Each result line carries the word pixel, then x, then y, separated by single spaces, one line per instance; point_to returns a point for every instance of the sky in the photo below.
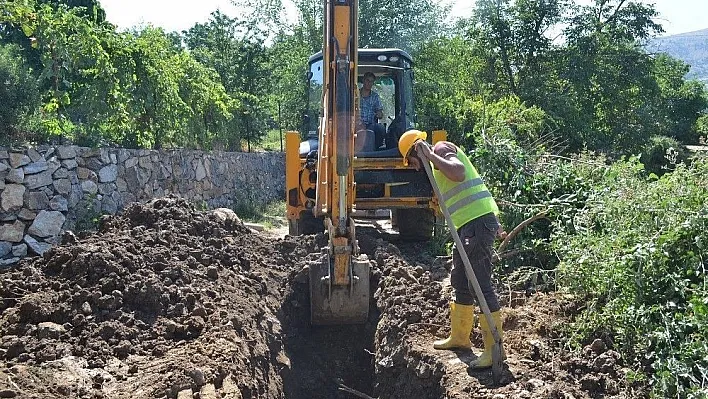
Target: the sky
pixel 677 16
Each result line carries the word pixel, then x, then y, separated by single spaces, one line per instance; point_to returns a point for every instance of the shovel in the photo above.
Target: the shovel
pixel 497 363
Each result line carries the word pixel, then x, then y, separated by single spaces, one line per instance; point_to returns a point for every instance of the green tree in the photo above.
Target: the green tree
pixel 609 75
pixel 19 95
pixel 682 102
pixel 401 24
pixel 287 60
pixel 235 48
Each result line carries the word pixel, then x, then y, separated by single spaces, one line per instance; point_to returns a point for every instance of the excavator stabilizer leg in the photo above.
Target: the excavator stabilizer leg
pixel 339 304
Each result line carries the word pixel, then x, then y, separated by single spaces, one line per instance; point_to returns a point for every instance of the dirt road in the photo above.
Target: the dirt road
pixel 167 301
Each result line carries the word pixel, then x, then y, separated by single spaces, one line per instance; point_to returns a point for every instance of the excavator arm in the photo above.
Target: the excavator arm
pixel 339 281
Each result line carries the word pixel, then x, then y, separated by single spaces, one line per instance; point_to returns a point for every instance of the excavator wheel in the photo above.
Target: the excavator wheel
pixel 344 304
pixel 415 224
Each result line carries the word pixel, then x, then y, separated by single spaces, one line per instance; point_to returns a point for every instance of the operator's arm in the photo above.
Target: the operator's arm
pixel 378 106
pixel 444 158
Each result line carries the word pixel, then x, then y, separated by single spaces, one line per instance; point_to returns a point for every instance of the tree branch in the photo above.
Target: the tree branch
pixel 516 231
pixel 354 392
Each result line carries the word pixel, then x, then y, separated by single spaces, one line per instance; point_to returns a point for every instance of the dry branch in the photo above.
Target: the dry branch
pixel 354 392
pixel 515 232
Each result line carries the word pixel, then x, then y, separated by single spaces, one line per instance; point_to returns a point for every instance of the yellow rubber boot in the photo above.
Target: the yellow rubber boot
pixel 461 321
pixel 485 359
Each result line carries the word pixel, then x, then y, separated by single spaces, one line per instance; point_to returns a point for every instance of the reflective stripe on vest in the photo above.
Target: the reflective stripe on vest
pixel 468 199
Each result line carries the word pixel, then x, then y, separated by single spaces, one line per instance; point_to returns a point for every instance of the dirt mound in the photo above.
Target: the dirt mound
pixel 412 297
pixel 159 280
pixel 167 301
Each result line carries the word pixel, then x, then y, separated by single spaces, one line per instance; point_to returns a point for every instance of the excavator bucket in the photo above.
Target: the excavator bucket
pixel 339 304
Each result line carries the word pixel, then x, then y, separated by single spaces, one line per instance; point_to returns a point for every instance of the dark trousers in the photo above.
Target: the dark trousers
pixel 477 237
pixel 379 133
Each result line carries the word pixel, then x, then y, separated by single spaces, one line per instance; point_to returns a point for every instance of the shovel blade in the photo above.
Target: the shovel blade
pixel 342 304
pixel 497 363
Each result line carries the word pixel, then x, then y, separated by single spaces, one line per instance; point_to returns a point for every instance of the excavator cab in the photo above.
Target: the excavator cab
pixel 394 85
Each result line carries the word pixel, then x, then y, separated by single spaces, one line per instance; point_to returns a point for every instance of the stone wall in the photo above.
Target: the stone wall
pixel 47 190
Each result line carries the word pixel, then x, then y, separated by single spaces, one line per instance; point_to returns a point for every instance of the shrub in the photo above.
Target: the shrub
pixel 18 92
pixel 638 247
pixel 661 154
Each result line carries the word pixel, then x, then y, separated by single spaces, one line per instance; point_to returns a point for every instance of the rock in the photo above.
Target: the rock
pixel 12 232
pixel 8 262
pixel 225 214
pixel 59 203
pixel 34 155
pixel 36 200
pixel 109 206
pixel 108 174
pixel 131 162
pixel 106 156
pixel 36 167
pixel 26 214
pixel 598 346
pixel 47 224
pixel 107 188
pixel 8 393
pixel 37 247
pixel 61 173
pixel 89 187
pixel 15 176
pixel 48 329
pixel 66 152
pixel 198 377
pixel 70 164
pixel 94 164
pixel 85 174
pixel 86 308
pixel 19 250
pixel 12 197
pixel 534 384
pixel 108 302
pixel 212 272
pixel 39 180
pixel 200 172
pixel 18 159
pixel 5 248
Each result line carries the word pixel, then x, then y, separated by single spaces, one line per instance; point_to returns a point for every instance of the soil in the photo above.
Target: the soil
pixel 165 301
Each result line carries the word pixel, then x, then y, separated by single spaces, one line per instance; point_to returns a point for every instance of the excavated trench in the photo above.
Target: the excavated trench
pixel 166 301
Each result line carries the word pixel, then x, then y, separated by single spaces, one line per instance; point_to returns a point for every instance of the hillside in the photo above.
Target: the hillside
pixel 690 47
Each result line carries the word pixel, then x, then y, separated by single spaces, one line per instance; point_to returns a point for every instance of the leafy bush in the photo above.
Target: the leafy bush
pixel 638 246
pixel 18 90
pixel 662 154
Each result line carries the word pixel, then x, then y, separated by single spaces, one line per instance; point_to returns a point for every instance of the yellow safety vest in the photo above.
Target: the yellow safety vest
pixel 468 199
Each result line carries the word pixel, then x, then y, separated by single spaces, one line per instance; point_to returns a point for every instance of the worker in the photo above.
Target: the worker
pixel 371 109
pixel 474 214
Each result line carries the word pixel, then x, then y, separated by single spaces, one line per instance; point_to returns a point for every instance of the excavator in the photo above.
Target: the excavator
pixel 333 168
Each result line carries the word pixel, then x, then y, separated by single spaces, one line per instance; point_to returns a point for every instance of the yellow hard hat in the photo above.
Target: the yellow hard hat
pixel 408 140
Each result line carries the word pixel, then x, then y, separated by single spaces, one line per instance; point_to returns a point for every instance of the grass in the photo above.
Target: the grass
pixel 271 141
pixel 269 215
